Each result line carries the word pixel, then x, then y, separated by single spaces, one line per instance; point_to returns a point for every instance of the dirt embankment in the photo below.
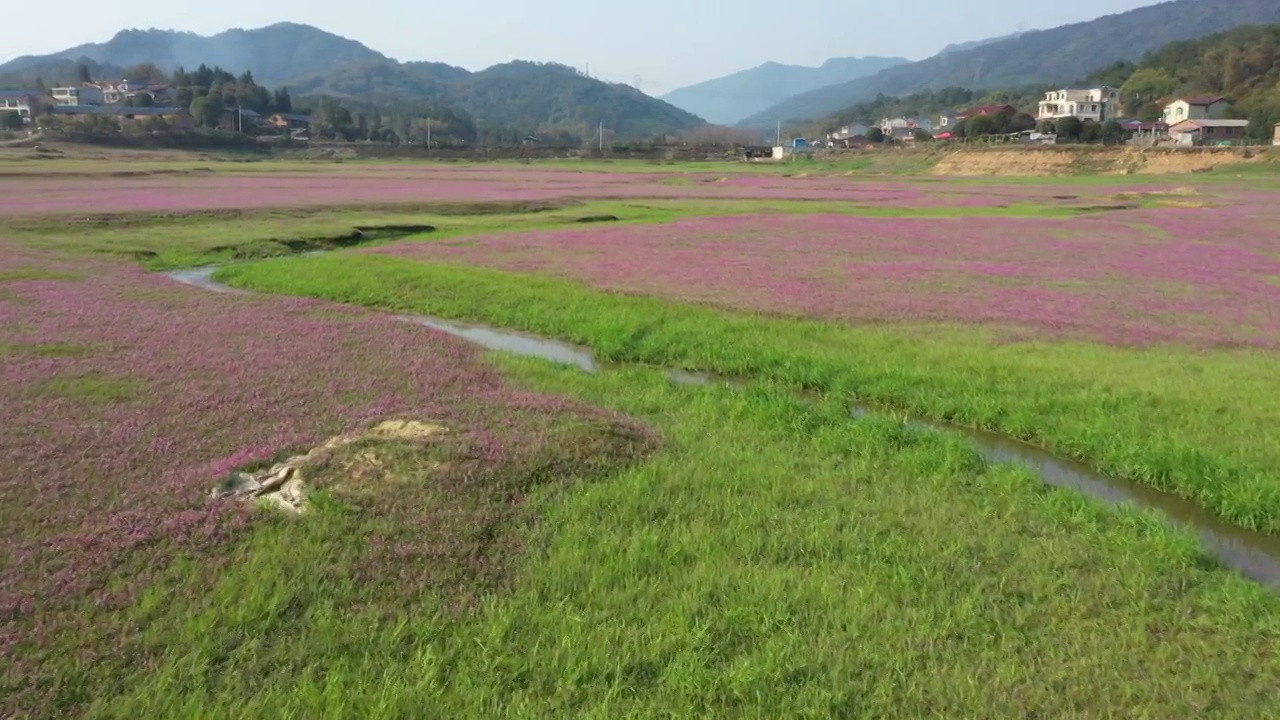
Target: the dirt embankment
pixel 1100 160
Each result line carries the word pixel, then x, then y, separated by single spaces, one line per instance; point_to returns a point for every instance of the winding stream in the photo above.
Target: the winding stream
pixel 1252 554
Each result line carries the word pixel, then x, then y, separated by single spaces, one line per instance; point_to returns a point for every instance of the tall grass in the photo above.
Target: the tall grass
pixel 1201 424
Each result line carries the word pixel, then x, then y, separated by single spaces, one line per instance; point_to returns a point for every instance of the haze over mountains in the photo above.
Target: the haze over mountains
pixel 1059 55
pixel 726 100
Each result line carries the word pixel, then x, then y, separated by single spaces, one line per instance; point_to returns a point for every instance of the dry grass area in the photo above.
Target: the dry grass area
pixel 1022 161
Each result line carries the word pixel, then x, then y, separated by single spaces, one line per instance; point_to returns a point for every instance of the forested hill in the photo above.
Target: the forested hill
pixel 1058 55
pixel 516 98
pixel 275 53
pixel 1241 65
pixel 538 98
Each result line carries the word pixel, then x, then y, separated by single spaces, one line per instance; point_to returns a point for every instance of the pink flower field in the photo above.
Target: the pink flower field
pixel 1208 277
pixel 373 184
pixel 125 397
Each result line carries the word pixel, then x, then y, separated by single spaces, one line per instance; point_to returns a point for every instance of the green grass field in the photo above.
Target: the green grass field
pixel 770 557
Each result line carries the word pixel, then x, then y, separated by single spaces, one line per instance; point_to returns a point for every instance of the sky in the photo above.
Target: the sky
pixel 664 44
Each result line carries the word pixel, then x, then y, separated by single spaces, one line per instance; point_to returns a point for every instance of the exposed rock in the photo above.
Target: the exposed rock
pixel 597 218
pixel 282 484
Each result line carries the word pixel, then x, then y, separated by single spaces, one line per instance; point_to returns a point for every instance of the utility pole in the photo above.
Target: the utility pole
pixel 601 137
pixel 428 132
pixel 778 141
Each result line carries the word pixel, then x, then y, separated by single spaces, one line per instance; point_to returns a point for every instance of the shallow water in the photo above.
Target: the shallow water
pixel 1252 554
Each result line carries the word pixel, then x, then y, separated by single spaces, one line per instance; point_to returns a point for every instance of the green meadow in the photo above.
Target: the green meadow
pixel 770 556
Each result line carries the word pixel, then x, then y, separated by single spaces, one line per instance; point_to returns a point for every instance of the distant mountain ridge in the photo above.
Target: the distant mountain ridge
pixel 1058 55
pixel 520 97
pixel 731 98
pixel 275 53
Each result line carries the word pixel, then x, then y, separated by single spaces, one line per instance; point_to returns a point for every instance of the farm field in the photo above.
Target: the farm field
pixel 487 535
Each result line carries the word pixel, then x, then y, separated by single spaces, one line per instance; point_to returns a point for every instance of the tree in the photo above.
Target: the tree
pixel 281 102
pixel 1090 131
pixel 1046 127
pixel 1069 128
pixel 921 135
pixel 1142 92
pixel 981 125
pixel 141 100
pixel 10 120
pixel 84 74
pixel 146 72
pixel 875 135
pixel 207 110
pixel 1022 121
pixel 1112 132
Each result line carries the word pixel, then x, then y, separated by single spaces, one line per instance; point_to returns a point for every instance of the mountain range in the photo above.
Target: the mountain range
pixel 1059 55
pixel 523 97
pixel 726 100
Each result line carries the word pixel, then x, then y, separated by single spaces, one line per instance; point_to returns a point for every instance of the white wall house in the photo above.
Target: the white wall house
pixel 79 95
pixel 849 131
pixel 1098 104
pixel 1195 108
pixel 19 101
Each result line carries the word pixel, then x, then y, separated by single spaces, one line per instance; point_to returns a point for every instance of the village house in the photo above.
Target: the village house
pixel 291 121
pixel 1195 108
pixel 110 93
pixel 901 128
pixel 1275 137
pixel 1097 104
pixel 86 94
pixel 22 102
pixel 175 116
pixel 238 119
pixel 848 131
pixel 1207 132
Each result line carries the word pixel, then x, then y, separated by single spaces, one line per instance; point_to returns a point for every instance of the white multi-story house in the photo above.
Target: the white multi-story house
pixel 78 95
pixel 19 101
pixel 903 127
pixel 1195 108
pixel 1098 104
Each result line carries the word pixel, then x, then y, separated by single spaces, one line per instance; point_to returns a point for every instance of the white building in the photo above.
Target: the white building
pixel 1195 108
pixel 18 101
pixel 80 95
pixel 849 131
pixel 1096 104
pixel 900 128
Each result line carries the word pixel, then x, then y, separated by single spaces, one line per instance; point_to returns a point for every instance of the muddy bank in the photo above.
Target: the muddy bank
pixel 1252 554
pixel 1080 160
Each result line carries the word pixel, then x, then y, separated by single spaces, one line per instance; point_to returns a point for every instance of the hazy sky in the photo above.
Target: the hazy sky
pixel 665 43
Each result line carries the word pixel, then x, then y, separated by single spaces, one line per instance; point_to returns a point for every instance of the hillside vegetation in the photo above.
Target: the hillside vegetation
pixel 275 53
pixel 733 97
pixel 1242 65
pixel 553 102
pixel 1059 55
pixel 507 102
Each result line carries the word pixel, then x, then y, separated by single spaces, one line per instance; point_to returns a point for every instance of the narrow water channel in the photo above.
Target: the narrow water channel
pixel 1252 554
